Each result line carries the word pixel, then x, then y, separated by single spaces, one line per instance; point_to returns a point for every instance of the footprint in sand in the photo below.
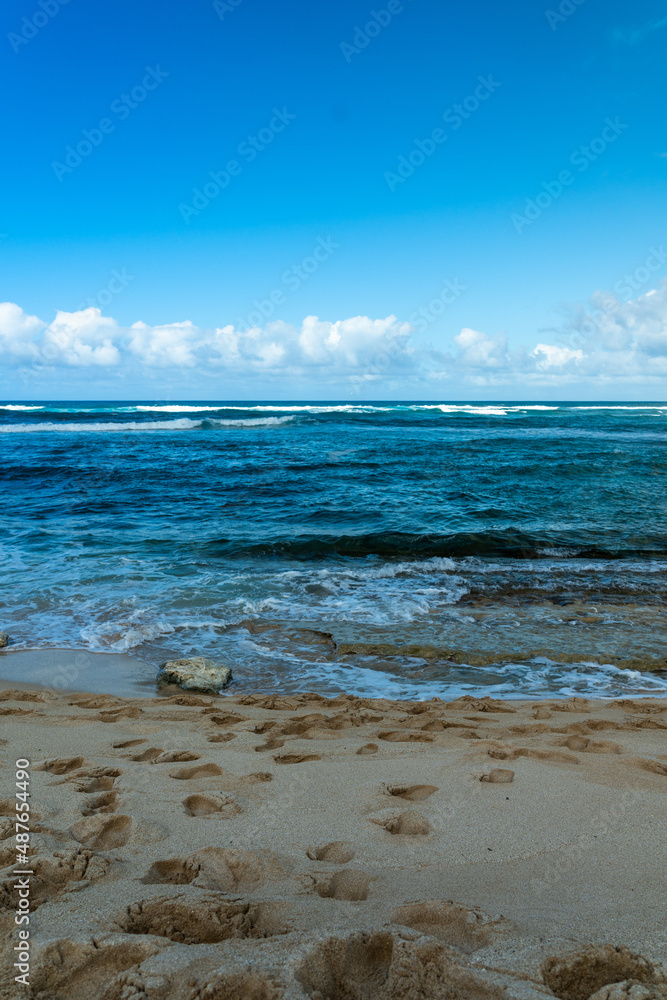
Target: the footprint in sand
pixel 11 694
pixel 93 963
pixel 399 736
pixel 102 833
pixel 96 779
pixel 650 765
pixel 255 777
pixel 214 868
pixel 296 758
pixel 92 701
pixel 127 712
pixel 499 776
pixel 338 852
pixel 201 919
pixel 584 745
pixel 573 705
pixel 579 975
pixel 414 793
pixel 464 927
pixel 212 804
pixel 125 744
pixel 176 756
pixel 409 823
pixel 226 720
pixel 552 756
pixel 273 743
pixel 154 755
pixel 104 803
pixel 222 737
pixel 529 730
pixel 149 754
pixel 62 765
pixel 198 771
pixel 382 964
pixel 605 746
pixel 14 710
pixel 347 884
pixel 574 742
pixel 67 871
pixel 368 748
pixel 192 700
pixel 245 985
pixel 264 727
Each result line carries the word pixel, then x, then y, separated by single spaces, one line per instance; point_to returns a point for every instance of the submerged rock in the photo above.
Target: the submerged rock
pixel 4 640
pixel 197 673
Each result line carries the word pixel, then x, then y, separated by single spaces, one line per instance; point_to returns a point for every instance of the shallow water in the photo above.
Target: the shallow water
pixel 407 550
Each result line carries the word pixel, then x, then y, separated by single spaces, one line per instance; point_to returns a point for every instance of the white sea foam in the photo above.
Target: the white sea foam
pixel 16 406
pixel 480 408
pixel 182 424
pixel 123 636
pixel 636 406
pixel 537 678
pixel 312 408
pixel 173 408
pixel 251 422
pixel 437 564
pixel 375 594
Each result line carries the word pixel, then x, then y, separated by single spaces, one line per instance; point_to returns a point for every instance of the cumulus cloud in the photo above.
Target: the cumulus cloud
pixel 553 356
pixel 608 339
pixel 173 345
pixel 478 350
pixel 343 347
pixel 621 340
pixel 88 339
pixel 18 333
pixel 81 339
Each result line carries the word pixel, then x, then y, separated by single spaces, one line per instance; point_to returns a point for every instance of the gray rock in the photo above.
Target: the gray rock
pixel 4 640
pixel 197 673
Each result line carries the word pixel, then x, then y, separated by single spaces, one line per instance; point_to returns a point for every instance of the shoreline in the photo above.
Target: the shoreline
pixel 63 668
pixel 191 845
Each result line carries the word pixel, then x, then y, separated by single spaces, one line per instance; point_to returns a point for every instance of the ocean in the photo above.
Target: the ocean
pixel 403 550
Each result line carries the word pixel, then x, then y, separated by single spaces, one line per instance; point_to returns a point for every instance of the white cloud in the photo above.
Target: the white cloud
pixel 18 333
pixel 352 343
pixel 553 356
pixel 170 346
pixel 81 339
pixel 478 350
pixel 608 341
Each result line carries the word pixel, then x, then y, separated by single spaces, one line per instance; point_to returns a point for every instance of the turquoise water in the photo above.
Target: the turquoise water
pixel 406 550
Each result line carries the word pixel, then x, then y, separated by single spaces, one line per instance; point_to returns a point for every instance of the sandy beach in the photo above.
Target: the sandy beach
pixel 261 847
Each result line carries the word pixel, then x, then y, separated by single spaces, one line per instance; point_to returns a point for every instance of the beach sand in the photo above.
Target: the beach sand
pixel 264 847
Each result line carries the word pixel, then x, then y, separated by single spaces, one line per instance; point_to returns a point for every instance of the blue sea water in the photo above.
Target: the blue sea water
pixel 386 549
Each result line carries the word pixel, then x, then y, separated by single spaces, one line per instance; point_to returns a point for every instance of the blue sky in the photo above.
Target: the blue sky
pixel 476 274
